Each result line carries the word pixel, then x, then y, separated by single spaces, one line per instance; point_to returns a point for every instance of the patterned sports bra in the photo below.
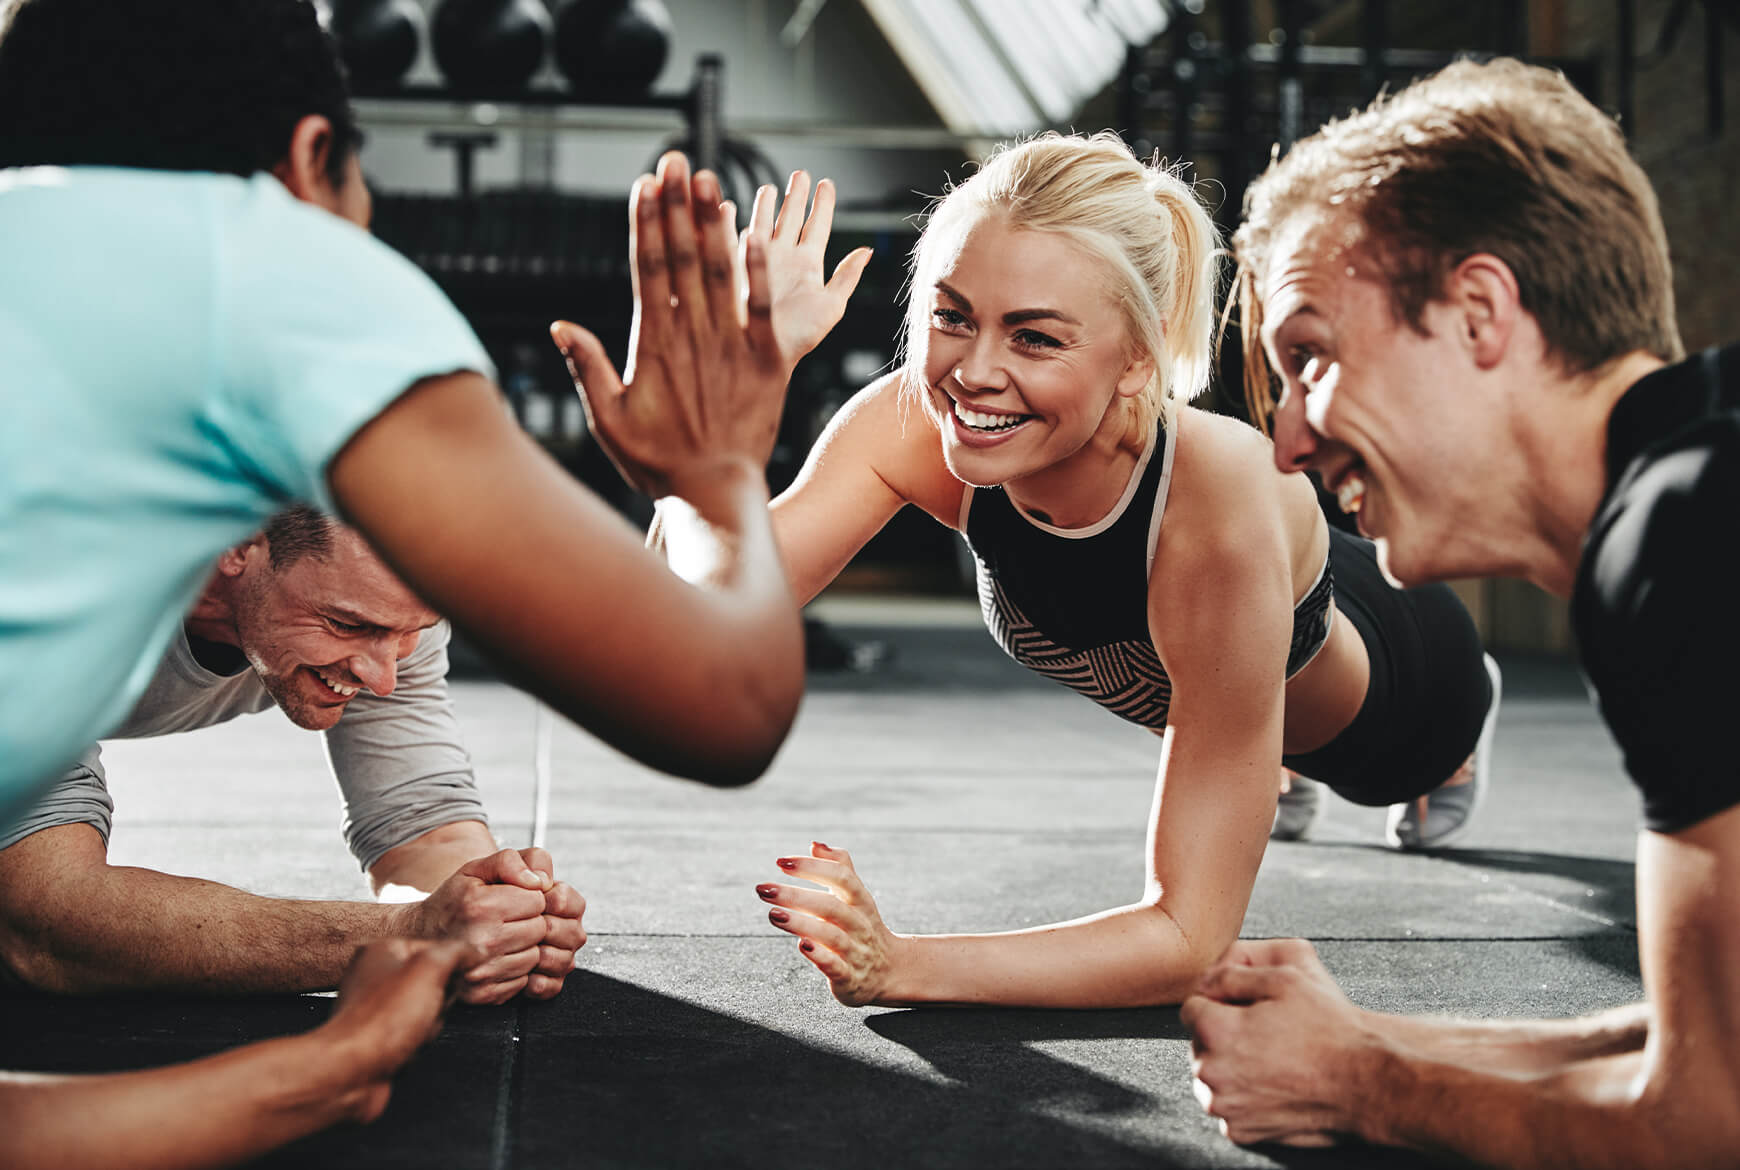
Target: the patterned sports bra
pixel 1072 603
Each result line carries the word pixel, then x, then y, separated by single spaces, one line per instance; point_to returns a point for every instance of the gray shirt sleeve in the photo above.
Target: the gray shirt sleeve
pixel 79 797
pixel 399 761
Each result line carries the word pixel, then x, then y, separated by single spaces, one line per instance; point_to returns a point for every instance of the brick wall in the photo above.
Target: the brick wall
pixel 1696 177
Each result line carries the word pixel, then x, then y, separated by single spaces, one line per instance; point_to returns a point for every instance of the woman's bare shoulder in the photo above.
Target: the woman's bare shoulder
pixel 1228 498
pixel 1222 462
pixel 886 424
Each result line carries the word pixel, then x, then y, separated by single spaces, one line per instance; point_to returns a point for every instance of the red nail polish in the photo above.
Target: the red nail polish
pixel 787 863
pixel 806 946
pixel 778 915
pixel 767 890
pixel 822 845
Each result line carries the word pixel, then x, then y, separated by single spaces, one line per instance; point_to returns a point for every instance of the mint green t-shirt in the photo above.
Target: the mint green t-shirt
pixel 180 356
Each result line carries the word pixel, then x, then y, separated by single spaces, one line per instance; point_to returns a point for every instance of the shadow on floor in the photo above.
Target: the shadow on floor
pixel 988 1050
pixel 1610 886
pixel 443 1105
pixel 631 1077
pixel 617 1075
pixel 611 1074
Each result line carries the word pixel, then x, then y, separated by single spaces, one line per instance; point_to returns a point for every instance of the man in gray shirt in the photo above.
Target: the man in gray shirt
pixel 304 617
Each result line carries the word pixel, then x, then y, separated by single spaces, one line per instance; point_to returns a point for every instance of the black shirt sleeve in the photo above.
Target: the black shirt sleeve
pixel 1658 622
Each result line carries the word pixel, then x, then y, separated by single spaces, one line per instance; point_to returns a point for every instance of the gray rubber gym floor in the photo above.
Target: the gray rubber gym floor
pixel 973 797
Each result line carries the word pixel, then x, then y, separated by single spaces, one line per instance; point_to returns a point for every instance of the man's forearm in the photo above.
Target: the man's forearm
pixel 211 1112
pixel 1589 1114
pixel 1523 1048
pixel 120 928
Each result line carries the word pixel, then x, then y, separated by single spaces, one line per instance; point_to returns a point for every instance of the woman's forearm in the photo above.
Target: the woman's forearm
pixel 1133 956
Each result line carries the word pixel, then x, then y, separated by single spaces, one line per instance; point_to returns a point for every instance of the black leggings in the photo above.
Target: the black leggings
pixel 1428 693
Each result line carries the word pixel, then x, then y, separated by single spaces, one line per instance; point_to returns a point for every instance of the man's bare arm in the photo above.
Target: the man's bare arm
pixel 1674 1103
pixel 1282 1056
pixel 1523 1048
pixel 70 922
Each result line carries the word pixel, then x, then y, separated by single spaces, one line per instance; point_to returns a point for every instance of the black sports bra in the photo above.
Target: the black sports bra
pixel 1072 604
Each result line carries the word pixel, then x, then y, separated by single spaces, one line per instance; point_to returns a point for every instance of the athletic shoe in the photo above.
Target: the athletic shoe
pixel 1296 811
pixel 1449 811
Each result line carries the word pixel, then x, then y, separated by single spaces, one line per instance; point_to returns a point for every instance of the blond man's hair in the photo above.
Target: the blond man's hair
pixel 1500 158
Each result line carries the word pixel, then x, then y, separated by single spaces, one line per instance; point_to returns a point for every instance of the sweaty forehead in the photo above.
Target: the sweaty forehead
pixel 1312 256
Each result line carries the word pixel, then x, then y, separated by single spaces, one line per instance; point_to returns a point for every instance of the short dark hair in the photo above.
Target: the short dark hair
pixel 296 532
pixel 190 85
pixel 1502 158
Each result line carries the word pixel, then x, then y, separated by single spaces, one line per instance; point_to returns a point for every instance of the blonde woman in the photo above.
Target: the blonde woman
pixel 1142 551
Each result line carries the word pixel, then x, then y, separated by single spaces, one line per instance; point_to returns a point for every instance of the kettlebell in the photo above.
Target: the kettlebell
pixel 490 46
pixel 612 49
pixel 378 39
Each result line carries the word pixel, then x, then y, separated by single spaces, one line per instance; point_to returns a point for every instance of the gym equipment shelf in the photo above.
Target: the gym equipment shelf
pixel 700 106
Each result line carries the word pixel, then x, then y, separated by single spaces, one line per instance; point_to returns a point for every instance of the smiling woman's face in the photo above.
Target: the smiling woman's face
pixel 1024 354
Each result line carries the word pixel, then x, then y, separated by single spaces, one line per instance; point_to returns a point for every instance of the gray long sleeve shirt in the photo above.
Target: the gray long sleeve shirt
pixel 398 760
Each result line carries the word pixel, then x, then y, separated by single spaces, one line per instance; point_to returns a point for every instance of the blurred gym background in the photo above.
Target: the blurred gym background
pixel 503 136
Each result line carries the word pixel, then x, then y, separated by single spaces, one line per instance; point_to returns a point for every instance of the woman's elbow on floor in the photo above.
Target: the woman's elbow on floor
pixel 1181 955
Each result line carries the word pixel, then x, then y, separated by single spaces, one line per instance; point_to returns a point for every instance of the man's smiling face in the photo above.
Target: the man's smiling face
pixel 320 629
pixel 1390 416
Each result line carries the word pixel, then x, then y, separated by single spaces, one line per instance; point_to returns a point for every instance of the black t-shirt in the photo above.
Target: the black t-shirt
pixel 1657 600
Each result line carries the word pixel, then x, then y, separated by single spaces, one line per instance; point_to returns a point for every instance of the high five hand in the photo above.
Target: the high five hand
pixel 704 386
pixel 805 307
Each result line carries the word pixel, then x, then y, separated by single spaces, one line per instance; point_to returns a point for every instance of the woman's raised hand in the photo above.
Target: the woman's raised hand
pixel 840 929
pixel 705 382
pixel 805 307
